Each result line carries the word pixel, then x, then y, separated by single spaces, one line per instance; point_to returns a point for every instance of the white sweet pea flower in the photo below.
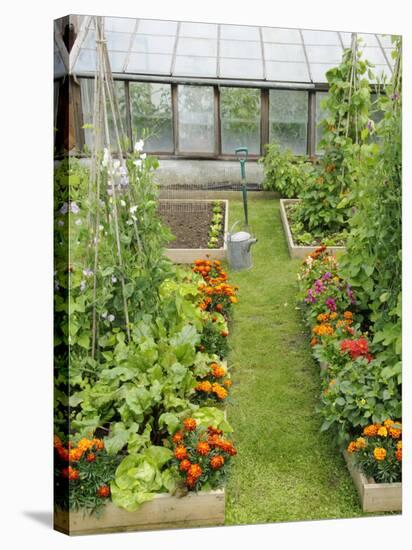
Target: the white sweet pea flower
pixel 110 318
pixel 133 209
pixel 129 222
pixel 143 156
pixel 122 202
pixel 106 157
pixel 137 163
pixel 138 147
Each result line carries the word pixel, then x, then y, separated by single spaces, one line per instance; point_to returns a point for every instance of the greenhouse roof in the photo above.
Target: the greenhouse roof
pixel 172 51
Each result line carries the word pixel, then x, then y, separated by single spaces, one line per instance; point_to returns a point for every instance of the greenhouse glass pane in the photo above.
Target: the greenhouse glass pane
pixel 291 36
pixel 198 30
pixel 235 32
pixel 117 61
pixel 386 40
pixel 151 111
pixel 89 41
pixel 241 68
pixel 118 41
pixel 346 39
pixel 284 52
pixel 321 114
pixel 87 99
pixel 287 72
pixel 288 119
pixel 369 40
pixel 153 44
pixel 374 55
pixel 319 70
pixel 119 24
pixel 381 72
pixel 240 119
pixel 149 63
pixel 196 119
pixel 195 66
pixel 324 54
pixel 240 48
pixel 321 38
pixel 197 46
pixel 86 61
pixel 155 27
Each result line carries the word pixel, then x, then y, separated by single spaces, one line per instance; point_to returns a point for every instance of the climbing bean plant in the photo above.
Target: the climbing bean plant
pixel 327 199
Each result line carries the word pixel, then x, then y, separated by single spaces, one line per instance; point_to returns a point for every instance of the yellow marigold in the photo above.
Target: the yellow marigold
pixel 333 315
pixel 371 430
pixel 75 455
pixel 379 453
pixel 399 445
pixel 352 448
pixel 383 432
pixel 85 444
pixel 360 443
pixel 233 299
pixel 388 423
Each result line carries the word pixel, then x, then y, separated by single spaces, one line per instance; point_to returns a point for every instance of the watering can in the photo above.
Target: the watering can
pixel 238 249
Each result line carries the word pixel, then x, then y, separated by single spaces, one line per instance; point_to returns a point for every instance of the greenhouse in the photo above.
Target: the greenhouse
pixel 228 265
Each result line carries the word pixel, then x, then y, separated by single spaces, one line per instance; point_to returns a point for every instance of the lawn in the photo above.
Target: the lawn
pixel 285 469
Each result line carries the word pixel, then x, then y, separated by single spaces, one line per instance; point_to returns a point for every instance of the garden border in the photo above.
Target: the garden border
pixel 298 251
pixel 374 497
pixel 205 508
pixel 189 255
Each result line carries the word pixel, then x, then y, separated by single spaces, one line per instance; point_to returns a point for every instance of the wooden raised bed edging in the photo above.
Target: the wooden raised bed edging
pixel 374 497
pixel 297 251
pixel 189 255
pixel 163 512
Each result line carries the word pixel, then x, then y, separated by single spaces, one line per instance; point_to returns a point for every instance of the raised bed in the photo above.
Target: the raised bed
pixel 163 512
pixel 297 251
pixel 192 210
pixel 374 497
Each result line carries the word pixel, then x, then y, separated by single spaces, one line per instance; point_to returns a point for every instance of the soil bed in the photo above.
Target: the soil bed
pixel 189 223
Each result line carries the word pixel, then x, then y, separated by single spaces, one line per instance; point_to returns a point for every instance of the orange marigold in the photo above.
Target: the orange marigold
pixel 75 455
pixel 70 473
pixel 217 462
pixel 218 372
pixel 191 481
pixel 57 442
pixel 103 491
pixel 219 391
pixel 185 465
pixel 180 452
pixel 347 314
pixel 371 430
pixel 398 455
pixel 214 431
pixel 227 383
pixel 84 444
pixel 190 424
pixel 195 471
pixel 205 386
pixel 178 437
pixel 98 444
pixel 395 433
pixel 379 453
pixel 360 443
pixel 63 453
pixel 352 448
pixel 91 457
pixel 224 333
pixel 203 448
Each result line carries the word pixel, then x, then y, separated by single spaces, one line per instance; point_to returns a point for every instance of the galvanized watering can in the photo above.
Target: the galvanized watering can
pixel 238 249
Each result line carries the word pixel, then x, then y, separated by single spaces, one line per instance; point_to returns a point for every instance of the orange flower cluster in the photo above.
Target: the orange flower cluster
pixel 328 323
pixel 219 389
pixel 217 294
pixel 389 428
pixel 73 454
pixel 199 453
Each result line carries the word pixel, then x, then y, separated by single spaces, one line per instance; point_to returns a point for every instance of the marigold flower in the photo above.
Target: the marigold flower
pixel 217 462
pixel 219 391
pixel 191 482
pixel 63 453
pixel 57 442
pixel 218 372
pixel 203 448
pixel 379 453
pixel 70 473
pixel 360 443
pixel 185 465
pixel 180 452
pixel 352 448
pixel 103 491
pixel 190 424
pixel 347 314
pixel 227 383
pixel 371 430
pixel 84 444
pixel 219 307
pixel 91 457
pixel 178 437
pixel 75 455
pixel 214 431
pixel 395 433
pixel 398 455
pixel 233 299
pixel 399 445
pixel 98 444
pixel 224 333
pixel 195 471
pixel 382 431
pixel 204 386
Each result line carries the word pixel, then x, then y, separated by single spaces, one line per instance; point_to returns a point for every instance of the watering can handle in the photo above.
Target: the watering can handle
pixel 240 156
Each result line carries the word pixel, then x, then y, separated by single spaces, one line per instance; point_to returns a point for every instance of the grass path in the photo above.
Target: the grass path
pixel 285 469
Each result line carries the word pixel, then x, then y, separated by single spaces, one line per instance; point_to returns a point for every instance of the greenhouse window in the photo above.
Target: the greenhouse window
pixel 240 119
pixel 321 114
pixel 196 119
pixel 288 119
pixel 151 113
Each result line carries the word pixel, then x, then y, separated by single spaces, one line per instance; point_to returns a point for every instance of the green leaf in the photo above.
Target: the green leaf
pixel 118 437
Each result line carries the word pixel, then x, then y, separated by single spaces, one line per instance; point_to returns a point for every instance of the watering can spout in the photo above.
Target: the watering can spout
pixel 250 242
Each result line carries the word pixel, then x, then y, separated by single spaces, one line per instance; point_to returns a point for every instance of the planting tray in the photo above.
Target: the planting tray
pixel 297 251
pixel 163 512
pixel 374 497
pixel 189 255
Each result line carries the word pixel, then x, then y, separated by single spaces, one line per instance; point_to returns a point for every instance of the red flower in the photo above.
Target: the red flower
pixel 103 491
pixel 91 457
pixel 70 473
